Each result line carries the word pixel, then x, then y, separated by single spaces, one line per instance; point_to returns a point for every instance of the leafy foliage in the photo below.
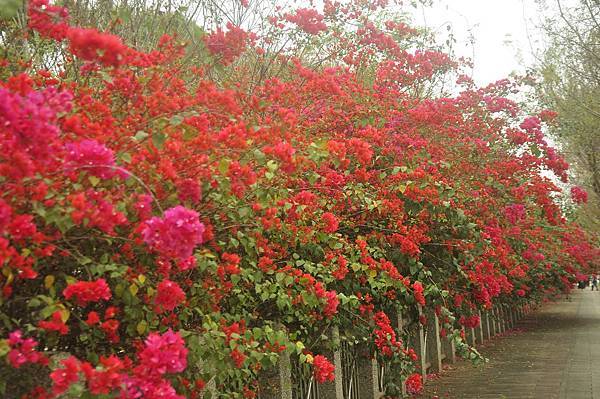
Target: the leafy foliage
pixel 159 232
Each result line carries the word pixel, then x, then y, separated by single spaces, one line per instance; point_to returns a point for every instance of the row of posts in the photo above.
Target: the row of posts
pixel 432 349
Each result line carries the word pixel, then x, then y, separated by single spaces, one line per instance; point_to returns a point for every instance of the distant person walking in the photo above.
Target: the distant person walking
pixel 595 282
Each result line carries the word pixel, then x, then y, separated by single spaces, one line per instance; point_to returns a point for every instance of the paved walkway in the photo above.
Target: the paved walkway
pixel 553 353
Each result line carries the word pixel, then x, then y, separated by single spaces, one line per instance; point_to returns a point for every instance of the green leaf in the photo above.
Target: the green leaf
pixel 141 327
pixel 223 165
pixel 189 132
pixel 93 180
pixel 279 277
pixel 126 157
pixel 158 139
pixel 140 135
pixel 176 120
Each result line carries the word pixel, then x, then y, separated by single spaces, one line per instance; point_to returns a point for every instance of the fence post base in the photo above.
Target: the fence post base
pixel 335 388
pixel 277 384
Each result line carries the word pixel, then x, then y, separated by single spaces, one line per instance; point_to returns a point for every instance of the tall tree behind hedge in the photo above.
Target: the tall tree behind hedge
pixel 570 84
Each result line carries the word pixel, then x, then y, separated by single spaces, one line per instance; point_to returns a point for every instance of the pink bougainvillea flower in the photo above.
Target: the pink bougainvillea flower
pixel 164 354
pixel 176 234
pixel 91 157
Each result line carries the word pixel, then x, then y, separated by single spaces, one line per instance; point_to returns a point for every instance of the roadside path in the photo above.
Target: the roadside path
pixel 553 353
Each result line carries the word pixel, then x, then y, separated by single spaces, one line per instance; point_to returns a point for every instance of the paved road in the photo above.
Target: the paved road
pixel 554 353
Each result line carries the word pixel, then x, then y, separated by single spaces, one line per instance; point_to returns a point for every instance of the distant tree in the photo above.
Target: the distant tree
pixel 570 71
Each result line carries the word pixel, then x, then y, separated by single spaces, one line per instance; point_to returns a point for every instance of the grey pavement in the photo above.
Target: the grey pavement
pixel 553 353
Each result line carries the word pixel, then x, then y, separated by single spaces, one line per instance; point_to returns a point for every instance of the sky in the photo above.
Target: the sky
pixel 500 36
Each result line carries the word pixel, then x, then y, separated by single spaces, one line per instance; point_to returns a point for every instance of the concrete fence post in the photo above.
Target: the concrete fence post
pixel 479 330
pixel 367 373
pixel 421 346
pixel 335 388
pixel 449 350
pixel 502 319
pixel 498 320
pixel 508 316
pixel 398 323
pixel 434 345
pixel 485 325
pixel 492 322
pixel 277 383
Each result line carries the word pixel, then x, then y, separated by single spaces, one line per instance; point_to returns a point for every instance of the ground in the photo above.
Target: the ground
pixel 553 352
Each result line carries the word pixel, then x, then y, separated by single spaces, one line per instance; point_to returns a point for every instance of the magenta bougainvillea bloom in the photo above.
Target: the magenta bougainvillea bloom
pixel 91 156
pixel 164 354
pixel 176 234
pixel 22 350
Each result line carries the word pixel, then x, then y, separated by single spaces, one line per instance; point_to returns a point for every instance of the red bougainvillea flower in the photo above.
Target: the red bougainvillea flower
pixel 414 384
pixel 107 379
pixel 110 328
pixel 418 292
pixel 88 291
pixel 228 45
pixel 176 234
pixel 514 213
pixel 92 319
pixel 323 369
pixel 579 195
pixel 385 336
pixel 238 358
pixel 331 222
pixel 91 45
pixel 168 296
pixel 91 157
pixel 63 378
pixel 331 304
pixel 189 190
pixel 470 322
pixel 29 131
pixel 55 324
pixel 164 354
pixel 307 19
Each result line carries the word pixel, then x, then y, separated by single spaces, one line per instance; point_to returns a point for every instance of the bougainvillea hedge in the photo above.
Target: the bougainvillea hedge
pixel 161 228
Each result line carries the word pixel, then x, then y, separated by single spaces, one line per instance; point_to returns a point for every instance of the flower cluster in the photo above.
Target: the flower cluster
pixel 22 351
pixel 414 384
pixel 418 292
pixel 88 291
pixel 307 19
pixel 168 296
pixel 385 336
pixel 91 45
pixel 228 45
pixel 164 354
pixel 56 323
pixel 91 157
pixel 579 195
pixel 417 200
pixel 323 369
pixel 176 234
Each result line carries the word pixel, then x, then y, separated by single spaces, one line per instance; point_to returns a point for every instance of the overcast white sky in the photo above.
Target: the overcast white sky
pixel 502 33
